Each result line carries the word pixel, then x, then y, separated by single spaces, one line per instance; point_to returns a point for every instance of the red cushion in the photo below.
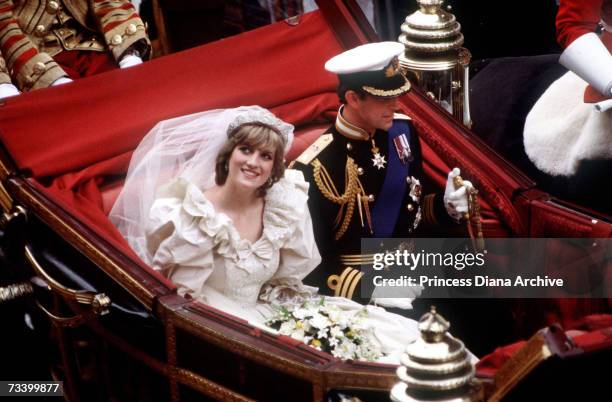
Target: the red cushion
pixel 597 335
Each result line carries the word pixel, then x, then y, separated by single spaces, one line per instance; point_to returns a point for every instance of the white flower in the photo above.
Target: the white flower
pixel 336 332
pixel 319 321
pixel 300 313
pixel 334 315
pixel 287 327
pixel 322 333
pixel 369 350
pixel 311 311
pixel 343 321
pixel 306 325
pixel 346 350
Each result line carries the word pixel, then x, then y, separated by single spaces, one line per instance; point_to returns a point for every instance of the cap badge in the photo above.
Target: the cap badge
pixel 392 68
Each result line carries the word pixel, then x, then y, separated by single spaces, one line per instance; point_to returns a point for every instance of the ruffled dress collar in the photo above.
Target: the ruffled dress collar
pixel 285 204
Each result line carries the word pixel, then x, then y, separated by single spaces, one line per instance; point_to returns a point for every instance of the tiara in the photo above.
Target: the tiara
pixel 252 114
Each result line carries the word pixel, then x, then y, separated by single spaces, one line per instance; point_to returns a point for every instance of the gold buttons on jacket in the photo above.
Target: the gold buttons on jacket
pixel 360 171
pixel 39 68
pixel 410 207
pixel 131 29
pixel 116 40
pixel 40 30
pixel 371 197
pixel 349 146
pixel 52 7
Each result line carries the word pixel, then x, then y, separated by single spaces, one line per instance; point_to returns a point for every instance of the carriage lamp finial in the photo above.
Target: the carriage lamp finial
pixel 436 367
pixel 434 58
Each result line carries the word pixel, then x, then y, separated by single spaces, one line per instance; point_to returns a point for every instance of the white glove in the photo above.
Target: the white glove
pixel 60 81
pixel 604 106
pixel 456 201
pixel 404 299
pixel 129 61
pixel 7 90
pixel 589 59
pixel 404 303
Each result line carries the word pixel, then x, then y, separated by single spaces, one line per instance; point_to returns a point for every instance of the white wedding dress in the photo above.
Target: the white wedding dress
pixel 201 251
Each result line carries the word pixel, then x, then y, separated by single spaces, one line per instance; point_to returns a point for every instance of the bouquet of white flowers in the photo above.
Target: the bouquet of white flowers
pixel 328 328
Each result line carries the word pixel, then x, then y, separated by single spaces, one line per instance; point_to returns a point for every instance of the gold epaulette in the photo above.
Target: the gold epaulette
pixel 315 149
pixel 344 285
pixel 401 116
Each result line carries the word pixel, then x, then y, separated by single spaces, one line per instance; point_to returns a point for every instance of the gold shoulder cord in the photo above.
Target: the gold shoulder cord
pixel 352 191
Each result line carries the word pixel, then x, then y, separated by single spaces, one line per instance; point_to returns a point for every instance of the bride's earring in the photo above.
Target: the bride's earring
pixel 269 182
pixel 226 167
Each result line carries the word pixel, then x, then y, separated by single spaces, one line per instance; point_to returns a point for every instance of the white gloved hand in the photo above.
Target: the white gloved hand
pixel 7 90
pixel 456 200
pixel 604 106
pixel 129 61
pixel 398 297
pixel 404 303
pixel 60 81
pixel 589 59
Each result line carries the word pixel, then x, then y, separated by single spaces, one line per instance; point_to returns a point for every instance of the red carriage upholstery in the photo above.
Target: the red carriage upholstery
pixel 80 139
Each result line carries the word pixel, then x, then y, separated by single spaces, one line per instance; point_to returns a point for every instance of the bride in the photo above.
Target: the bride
pixel 208 202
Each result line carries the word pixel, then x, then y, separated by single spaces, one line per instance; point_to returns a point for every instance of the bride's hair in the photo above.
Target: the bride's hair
pixel 256 135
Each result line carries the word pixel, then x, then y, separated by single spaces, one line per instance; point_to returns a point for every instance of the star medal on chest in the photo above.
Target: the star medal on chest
pixel 378 160
pixel 415 188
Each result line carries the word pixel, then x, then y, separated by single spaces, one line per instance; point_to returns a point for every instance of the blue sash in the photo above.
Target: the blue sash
pixel 389 201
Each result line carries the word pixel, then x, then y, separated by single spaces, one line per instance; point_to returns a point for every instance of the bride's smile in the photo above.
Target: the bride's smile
pixel 250 166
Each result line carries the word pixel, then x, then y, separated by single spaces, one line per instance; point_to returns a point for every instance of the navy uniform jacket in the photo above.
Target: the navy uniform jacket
pixel 334 155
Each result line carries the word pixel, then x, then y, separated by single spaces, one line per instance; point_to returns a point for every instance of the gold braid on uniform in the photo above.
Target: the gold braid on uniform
pixel 352 190
pixel 344 285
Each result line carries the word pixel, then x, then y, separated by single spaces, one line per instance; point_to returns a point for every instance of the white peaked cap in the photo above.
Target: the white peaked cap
pixel 368 57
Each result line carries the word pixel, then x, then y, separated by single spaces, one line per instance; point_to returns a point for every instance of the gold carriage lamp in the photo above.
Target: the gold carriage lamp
pixel 434 59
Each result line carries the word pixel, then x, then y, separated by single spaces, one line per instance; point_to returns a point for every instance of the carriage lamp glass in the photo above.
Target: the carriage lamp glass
pixel 434 59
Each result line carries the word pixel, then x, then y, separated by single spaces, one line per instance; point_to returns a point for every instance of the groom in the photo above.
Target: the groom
pixel 366 176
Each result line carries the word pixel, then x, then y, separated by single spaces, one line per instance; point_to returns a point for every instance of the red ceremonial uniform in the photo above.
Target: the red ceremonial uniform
pixel 579 17
pixel 36 34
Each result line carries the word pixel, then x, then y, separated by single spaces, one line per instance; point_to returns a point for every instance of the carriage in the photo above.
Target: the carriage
pixel 113 328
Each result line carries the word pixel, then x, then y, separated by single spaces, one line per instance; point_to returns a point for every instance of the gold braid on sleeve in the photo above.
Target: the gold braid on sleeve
pixel 346 200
